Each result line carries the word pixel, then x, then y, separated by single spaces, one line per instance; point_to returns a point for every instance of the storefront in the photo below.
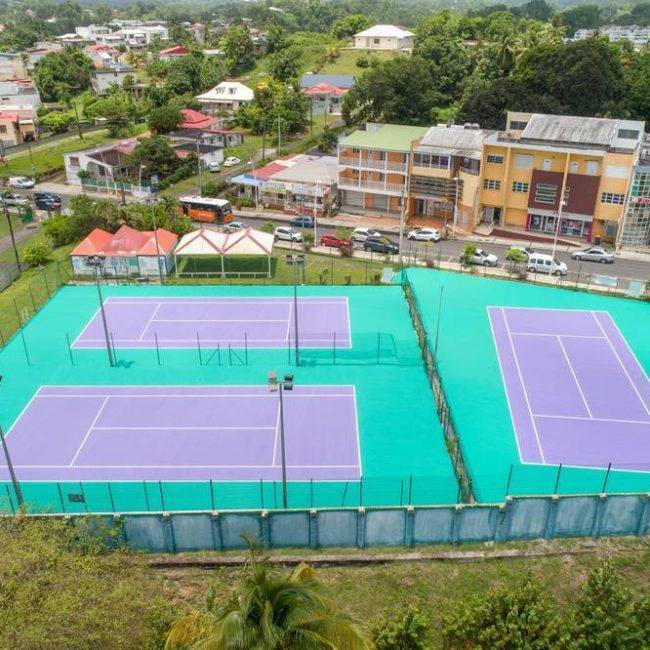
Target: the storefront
pixel 573 225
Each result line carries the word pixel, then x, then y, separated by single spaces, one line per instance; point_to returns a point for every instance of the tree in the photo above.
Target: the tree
pixel 38 254
pixel 118 109
pixel 637 98
pixel 165 118
pixel 238 48
pixel 56 122
pixel 60 72
pixel 449 61
pixel 350 25
pixel 327 140
pixel 581 17
pixel 401 91
pixel 155 155
pixel 211 74
pixel 269 610
pixel 407 632
pixel 285 64
pixel 276 39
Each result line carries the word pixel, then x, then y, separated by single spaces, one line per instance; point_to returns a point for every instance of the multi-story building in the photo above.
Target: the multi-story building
pixel 102 79
pixel 445 176
pixel 546 168
pixel 638 36
pixel 635 227
pixel 92 32
pixel 374 166
pixel 19 92
pixel 17 125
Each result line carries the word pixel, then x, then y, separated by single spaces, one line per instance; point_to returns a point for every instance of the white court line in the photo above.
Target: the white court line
pixel 577 417
pixel 90 429
pixel 575 378
pixel 239 301
pixel 275 440
pixel 347 316
pixel 181 467
pixel 586 311
pixel 356 427
pixel 146 327
pixel 226 340
pixel 188 428
pixel 24 410
pixel 570 336
pixel 627 374
pixel 194 395
pixel 92 318
pixel 627 345
pixel 523 386
pixel 219 320
pixel 287 337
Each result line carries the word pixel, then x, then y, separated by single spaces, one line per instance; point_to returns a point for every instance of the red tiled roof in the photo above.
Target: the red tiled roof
pixel 176 50
pixel 324 89
pixel 195 120
pixel 126 242
pixel 264 173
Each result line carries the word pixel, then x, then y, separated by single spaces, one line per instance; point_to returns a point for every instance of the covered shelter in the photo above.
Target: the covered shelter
pixel 206 244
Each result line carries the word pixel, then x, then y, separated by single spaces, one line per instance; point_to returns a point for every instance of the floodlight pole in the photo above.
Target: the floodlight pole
pixel 401 224
pixel 295 311
pixel 282 448
pixel 96 263
pixel 557 225
pixel 11 232
pixel 12 473
pixel 155 237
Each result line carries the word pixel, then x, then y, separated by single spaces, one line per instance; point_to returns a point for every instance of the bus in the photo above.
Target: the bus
pixel 205 209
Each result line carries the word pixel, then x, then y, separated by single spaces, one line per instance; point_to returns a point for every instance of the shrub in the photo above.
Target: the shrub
pixel 346 251
pixel 466 255
pixel 406 632
pixel 38 254
pixel 308 239
pixel 269 227
pixel 214 188
pixel 58 229
pixel 362 62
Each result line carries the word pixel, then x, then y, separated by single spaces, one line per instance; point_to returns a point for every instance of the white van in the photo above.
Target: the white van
pixel 540 263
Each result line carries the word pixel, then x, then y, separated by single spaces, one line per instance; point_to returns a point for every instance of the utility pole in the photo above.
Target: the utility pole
pixel 12 473
pixel 13 238
pixel 198 164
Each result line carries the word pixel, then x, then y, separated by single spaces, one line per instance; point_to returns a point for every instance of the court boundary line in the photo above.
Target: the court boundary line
pixel 90 430
pixel 151 320
pixel 87 325
pixel 627 345
pixel 575 377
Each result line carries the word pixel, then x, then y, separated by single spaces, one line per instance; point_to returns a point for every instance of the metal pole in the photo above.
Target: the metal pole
pixel 13 238
pixel 198 165
pixel 284 461
pixel 155 237
pixel 12 473
pixel 295 318
pixel 435 348
pixel 401 224
pixel 109 350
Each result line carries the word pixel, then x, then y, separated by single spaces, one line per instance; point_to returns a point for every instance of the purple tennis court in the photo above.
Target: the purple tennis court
pixel 185 433
pixel 179 322
pixel 576 392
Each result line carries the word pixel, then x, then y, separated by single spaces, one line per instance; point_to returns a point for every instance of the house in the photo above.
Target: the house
pixel 373 168
pixel 175 52
pixel 128 252
pixel 92 32
pixel 569 175
pixel 17 125
pixel 12 66
pixel 101 79
pixel 205 129
pixel 227 97
pixel 206 153
pixel 326 91
pixel 196 31
pixel 19 92
pixel 195 120
pixel 445 176
pixel 103 56
pixel 71 39
pixel 108 162
pixel 34 55
pixel 143 35
pixel 638 36
pixel 384 37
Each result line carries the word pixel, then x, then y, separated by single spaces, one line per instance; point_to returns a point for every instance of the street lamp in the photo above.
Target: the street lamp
pixel 280 387
pixel 11 232
pixel 296 261
pixel 12 473
pixel 316 188
pixel 97 263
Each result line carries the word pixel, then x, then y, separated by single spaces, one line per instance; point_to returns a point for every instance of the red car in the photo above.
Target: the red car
pixel 334 242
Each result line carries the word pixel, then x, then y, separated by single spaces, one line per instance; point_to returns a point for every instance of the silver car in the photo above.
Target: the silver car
pixel 594 254
pixel 483 258
pixel 234 226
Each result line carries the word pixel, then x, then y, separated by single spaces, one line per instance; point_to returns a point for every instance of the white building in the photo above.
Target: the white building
pixel 639 36
pixel 384 37
pixel 101 79
pixel 228 96
pixel 19 92
pixel 92 32
pixel 143 35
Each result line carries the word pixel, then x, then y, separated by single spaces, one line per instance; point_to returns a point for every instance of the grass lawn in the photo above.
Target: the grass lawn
pixel 15 222
pixel 48 158
pixel 346 63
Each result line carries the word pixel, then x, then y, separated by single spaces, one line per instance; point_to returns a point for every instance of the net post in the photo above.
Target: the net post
pixel 31 295
pixel 345 493
pixel 262 493
pixel 275 497
pixel 198 347
pixel 410 488
pixel 246 347
pixel 11 503
pixel 334 348
pixel 146 495
pixel 110 496
pixel 311 492
pixel 509 479
pixel 557 479
pixel 22 336
pixel 162 496
pixel 67 338
pixel 212 505
pixel 58 487
pixel 401 492
pixel 155 336
pixel 113 348
pixel 604 488
pixel 459 494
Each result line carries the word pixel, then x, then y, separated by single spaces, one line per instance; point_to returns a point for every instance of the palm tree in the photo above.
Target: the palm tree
pixel 269 611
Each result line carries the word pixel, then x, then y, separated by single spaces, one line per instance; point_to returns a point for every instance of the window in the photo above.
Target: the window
pixel 490 184
pixel 376 41
pixel 574 167
pixel 628 134
pixel 495 159
pixel 516 125
pixel 74 161
pixel 519 186
pixel 425 160
pixel 609 197
pixel 523 161
pixel 546 164
pixel 592 168
pixel 614 171
pixel 545 193
pixel 3 128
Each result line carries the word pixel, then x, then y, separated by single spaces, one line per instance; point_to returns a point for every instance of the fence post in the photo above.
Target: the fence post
pixel 552 506
pixel 211 495
pixel 47 285
pixel 643 515
pixel 31 295
pixel 265 529
pixel 168 532
pixel 409 525
pixel 110 496
pixel 361 527
pixel 198 347
pixel 11 503
pixel 502 529
pixel 313 528
pixel 58 487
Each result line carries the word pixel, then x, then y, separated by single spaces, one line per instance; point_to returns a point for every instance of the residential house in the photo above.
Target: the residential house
pixel 143 34
pixel 102 56
pixel 71 39
pixel 92 32
pixel 205 129
pixel 35 54
pixel 638 36
pixel 206 153
pixel 196 31
pixel 546 169
pixel 175 52
pixel 12 66
pixel 384 37
pixel 128 252
pixel 227 97
pixel 373 168
pixel 634 231
pixel 17 125
pixel 19 92
pixel 445 176
pixel 326 91
pixel 101 79
pixel 108 162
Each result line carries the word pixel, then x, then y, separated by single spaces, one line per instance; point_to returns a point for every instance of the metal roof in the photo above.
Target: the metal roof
pixel 468 141
pixel 389 137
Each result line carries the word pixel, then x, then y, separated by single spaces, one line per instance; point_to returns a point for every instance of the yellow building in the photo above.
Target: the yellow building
pixel 548 167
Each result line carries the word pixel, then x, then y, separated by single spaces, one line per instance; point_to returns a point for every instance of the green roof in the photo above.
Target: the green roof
pixel 390 137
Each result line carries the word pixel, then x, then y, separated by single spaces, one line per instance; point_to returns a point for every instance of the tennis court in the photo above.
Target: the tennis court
pixel 185 433
pixel 258 322
pixel 577 393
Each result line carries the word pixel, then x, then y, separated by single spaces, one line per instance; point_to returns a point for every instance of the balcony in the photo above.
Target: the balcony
pixel 371 186
pixel 367 163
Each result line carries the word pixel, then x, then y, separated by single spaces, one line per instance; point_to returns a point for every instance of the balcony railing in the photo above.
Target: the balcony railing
pixel 366 163
pixel 372 186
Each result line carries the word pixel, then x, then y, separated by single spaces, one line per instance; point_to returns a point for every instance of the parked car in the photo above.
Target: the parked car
pixel 359 235
pixel 302 222
pixel 47 201
pixel 540 263
pixel 483 258
pixel 594 254
pixel 527 251
pixel 14 199
pixel 380 244
pixel 21 182
pixel 424 234
pixel 333 241
pixel 214 167
pixel 234 226
pixel 231 161
pixel 286 234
